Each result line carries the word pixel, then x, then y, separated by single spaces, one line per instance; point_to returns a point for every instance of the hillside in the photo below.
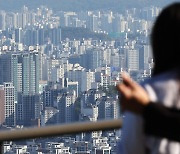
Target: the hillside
pixel 80 33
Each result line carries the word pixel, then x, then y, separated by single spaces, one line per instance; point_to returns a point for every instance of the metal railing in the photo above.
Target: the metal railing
pixel 57 130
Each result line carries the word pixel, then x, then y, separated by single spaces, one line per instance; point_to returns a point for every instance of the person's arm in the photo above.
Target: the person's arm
pixel 159 120
pixel 162 121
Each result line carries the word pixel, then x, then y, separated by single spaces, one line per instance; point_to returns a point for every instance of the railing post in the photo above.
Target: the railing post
pixel 1 148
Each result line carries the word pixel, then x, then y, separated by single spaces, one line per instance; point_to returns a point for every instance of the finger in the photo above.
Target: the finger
pixel 128 81
pixel 125 91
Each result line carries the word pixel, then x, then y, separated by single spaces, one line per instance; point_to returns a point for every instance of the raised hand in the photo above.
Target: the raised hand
pixel 133 96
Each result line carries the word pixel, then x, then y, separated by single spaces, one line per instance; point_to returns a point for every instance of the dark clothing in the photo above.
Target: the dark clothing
pixel 162 121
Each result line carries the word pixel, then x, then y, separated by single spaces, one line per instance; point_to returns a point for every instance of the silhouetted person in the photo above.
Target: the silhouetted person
pixel 163 87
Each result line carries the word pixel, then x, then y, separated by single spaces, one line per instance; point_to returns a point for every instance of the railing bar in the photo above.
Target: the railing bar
pixel 58 130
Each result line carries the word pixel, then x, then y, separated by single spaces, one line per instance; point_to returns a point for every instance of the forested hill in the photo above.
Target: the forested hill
pixel 80 5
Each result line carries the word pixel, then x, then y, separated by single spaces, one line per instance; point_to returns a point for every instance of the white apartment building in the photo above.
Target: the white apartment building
pixel 132 59
pixel 87 79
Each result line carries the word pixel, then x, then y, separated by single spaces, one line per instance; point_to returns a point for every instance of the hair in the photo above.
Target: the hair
pixel 165 39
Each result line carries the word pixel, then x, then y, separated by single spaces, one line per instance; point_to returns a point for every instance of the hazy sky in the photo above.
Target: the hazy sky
pixel 75 5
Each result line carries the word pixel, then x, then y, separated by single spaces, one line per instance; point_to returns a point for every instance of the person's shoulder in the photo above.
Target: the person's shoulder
pixel 164 78
pixel 163 87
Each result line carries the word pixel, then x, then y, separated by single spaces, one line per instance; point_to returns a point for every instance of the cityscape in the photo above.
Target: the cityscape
pixel 60 67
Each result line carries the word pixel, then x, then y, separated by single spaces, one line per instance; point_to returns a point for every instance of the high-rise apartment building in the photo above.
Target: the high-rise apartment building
pixel 75 75
pixel 18 35
pixel 93 58
pixel 55 35
pixel 28 109
pixel 5 68
pixel 87 79
pixel 23 70
pixel 2 20
pixel 66 108
pixel 107 108
pixel 2 104
pixel 93 23
pixel 9 105
pixel 132 59
pixel 145 54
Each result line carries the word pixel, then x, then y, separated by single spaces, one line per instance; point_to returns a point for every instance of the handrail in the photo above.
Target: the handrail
pixel 57 130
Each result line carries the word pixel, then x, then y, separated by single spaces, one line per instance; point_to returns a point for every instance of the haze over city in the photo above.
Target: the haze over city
pixel 60 61
pixel 78 5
